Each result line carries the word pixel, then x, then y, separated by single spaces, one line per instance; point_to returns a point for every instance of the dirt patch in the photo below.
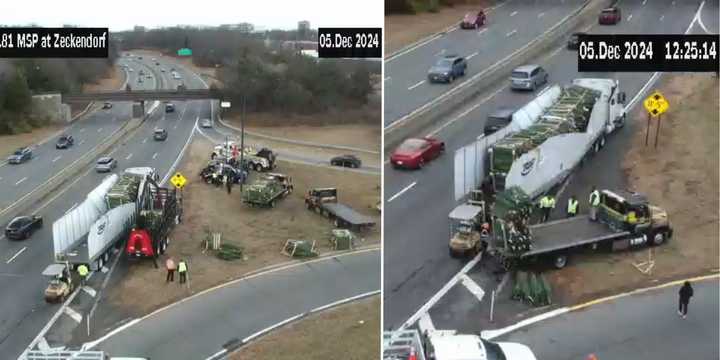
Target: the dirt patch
pixel 9 143
pixel 681 176
pixel 403 30
pixel 349 331
pixel 261 232
pixel 113 80
pixel 359 136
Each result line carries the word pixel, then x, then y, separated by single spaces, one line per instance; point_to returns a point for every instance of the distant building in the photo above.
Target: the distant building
pixel 242 27
pixel 303 26
pixel 138 28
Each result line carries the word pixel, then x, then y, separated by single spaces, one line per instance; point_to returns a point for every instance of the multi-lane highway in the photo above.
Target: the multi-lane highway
pixel 23 262
pixel 416 229
pixel 511 25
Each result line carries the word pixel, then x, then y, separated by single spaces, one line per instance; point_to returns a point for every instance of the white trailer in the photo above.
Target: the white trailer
pixel 546 164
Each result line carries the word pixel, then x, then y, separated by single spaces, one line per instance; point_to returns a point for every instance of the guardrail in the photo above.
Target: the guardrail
pixel 428 114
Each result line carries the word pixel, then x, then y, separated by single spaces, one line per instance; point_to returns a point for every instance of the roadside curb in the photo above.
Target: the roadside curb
pixel 491 334
pixel 431 112
pixel 299 142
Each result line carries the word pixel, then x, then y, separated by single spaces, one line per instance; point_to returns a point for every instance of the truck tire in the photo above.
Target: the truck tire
pixel 337 223
pixel 658 238
pixel 602 141
pixel 596 146
pixel 560 261
pixel 272 203
pixel 258 167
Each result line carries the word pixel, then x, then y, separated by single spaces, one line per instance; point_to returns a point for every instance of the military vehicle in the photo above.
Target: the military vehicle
pixel 268 190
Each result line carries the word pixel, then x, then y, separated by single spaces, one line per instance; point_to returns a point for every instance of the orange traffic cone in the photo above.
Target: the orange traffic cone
pixel 592 357
pixel 412 355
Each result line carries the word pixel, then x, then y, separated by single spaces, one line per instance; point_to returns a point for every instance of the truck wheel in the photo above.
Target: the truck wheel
pixel 258 167
pixel 560 261
pixel 658 238
pixel 272 203
pixel 596 147
pixel 602 141
pixel 337 223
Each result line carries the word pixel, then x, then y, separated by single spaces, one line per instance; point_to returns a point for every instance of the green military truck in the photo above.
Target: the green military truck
pixel 267 191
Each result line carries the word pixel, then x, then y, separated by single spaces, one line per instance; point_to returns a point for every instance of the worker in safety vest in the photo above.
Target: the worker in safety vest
pixel 547 203
pixel 83 272
pixel 594 202
pixel 182 271
pixel 631 220
pixel 572 206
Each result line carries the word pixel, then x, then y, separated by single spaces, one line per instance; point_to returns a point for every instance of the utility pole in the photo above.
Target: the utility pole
pixel 242 141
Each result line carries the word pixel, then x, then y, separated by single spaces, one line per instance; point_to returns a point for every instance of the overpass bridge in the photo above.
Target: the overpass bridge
pixel 144 95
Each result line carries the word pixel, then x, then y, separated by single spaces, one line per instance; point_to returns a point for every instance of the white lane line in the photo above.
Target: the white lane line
pixel 100 129
pixel 491 334
pixel 128 157
pixel 81 142
pixel 673 3
pixel 440 52
pixel 144 140
pixel 43 345
pixel 82 130
pixel 513 13
pixel 461 115
pixel 20 181
pixel 154 156
pixel 56 159
pixel 511 33
pixel 644 1
pixel 416 85
pixel 387 78
pixel 175 127
pixel 481 31
pixel 16 255
pixel 435 298
pixel 541 15
pixel 629 17
pixel 70 209
pixel 662 17
pixel 90 291
pixel 402 191
pixel 472 286
pixel 471 55
pixel 73 314
pixel 426 323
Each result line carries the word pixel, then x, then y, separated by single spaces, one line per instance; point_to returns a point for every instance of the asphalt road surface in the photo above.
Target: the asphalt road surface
pixel 417 202
pixel 511 25
pixel 199 327
pixel 23 261
pixel 639 327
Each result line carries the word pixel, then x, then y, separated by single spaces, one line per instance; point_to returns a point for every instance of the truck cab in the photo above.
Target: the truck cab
pixel 629 211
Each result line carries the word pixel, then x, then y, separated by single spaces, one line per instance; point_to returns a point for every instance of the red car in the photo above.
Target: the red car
pixel 473 21
pixel 413 153
pixel 610 16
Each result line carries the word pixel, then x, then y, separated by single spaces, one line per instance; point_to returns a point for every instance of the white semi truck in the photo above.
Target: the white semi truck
pixel 546 139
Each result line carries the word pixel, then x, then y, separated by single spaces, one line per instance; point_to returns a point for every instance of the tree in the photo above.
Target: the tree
pixel 17 96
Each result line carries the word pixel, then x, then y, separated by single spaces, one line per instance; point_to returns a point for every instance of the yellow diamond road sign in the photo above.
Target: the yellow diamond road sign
pixel 178 180
pixel 655 104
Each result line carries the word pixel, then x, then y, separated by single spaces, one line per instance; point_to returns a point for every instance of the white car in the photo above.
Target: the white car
pixel 130 70
pixel 447 345
pixel 206 123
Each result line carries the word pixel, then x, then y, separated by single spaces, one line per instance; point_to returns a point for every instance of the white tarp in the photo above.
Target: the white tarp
pixel 70 228
pixel 109 227
pixel 97 196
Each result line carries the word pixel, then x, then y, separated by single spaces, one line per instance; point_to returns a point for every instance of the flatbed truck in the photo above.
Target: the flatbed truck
pixel 324 201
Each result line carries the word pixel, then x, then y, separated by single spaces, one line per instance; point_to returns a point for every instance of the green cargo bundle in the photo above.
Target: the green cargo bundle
pixel 342 239
pixel 150 219
pixel 532 289
pixel 124 191
pixel 263 192
pixel 229 252
pixel 299 249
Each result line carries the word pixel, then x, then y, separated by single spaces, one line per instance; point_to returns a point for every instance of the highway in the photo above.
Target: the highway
pixel 511 25
pixel 244 308
pixel 23 261
pixel 644 326
pixel 416 229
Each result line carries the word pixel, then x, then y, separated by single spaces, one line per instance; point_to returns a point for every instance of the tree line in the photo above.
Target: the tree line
pixel 418 6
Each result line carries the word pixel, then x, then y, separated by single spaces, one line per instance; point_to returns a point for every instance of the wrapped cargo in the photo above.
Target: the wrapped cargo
pixel 124 191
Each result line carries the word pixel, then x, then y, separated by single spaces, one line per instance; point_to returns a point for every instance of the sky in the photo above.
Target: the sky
pixel 123 15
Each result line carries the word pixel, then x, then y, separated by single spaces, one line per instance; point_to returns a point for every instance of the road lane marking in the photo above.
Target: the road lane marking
pixel 472 286
pixel 629 17
pixel 402 191
pixel 70 209
pixel 175 127
pixel 154 156
pixel 90 291
pixel 416 85
pixel 461 115
pixel 481 32
pixel 20 181
pixel 128 157
pixel 471 55
pixel 662 17
pixel 541 15
pixel 426 323
pixel 100 129
pixel 387 78
pixel 144 140
pixel 16 255
pixel 81 142
pixel 513 13
pixel 440 52
pixel 73 314
pixel 511 33
pixel 56 159
pixel 644 1
pixel 83 129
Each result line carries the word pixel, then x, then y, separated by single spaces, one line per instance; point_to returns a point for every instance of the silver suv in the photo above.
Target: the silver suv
pixel 528 77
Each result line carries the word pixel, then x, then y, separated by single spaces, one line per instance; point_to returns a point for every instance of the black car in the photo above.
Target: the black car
pixel 107 105
pixel 350 161
pixel 574 41
pixel 169 107
pixel 497 120
pixel 22 227
pixel 447 69
pixel 65 142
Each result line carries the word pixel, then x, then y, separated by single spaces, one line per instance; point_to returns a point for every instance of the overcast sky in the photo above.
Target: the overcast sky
pixel 123 15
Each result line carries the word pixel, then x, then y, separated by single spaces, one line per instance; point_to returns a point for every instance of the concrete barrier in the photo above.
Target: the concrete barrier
pixel 435 110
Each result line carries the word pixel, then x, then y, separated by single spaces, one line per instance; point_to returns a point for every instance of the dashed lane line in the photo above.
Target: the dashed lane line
pixel 416 85
pixel 402 191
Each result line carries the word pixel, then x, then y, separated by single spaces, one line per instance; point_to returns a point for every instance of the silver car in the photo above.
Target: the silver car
pixel 206 123
pixel 528 77
pixel 105 164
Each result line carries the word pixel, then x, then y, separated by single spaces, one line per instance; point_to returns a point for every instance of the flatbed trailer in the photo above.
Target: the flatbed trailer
pixel 324 202
pixel 557 240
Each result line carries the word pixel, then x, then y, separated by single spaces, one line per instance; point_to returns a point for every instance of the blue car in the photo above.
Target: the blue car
pixel 20 156
pixel 447 69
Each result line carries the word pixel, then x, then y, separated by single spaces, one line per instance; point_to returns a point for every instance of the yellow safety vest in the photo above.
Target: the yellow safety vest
pixel 595 198
pixel 572 206
pixel 182 267
pixel 551 202
pixel 545 202
pixel 631 218
pixel 82 270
